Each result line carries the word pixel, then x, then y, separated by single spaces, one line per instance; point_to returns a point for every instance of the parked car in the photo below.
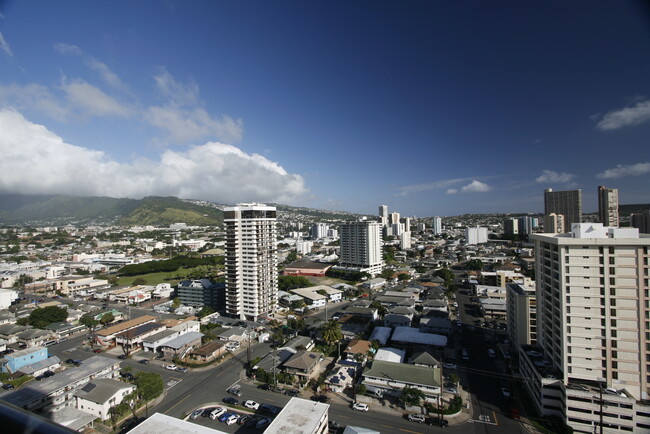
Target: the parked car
pixel 207 411
pixel 122 357
pixel 491 353
pixel 171 367
pixel 8 386
pixel 234 391
pixel 263 423
pixel 450 389
pixel 224 416
pixel 232 419
pixel 265 386
pixel 196 413
pixel 251 404
pixel 230 400
pixel 449 365
pixel 435 421
pixel 506 392
pixel 143 361
pixel 419 418
pixel 360 406
pixel 244 419
pixel 181 369
pixel 217 412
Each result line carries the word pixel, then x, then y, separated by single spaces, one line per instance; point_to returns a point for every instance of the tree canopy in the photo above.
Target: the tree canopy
pixel 475 264
pixel 285 283
pixel 150 385
pixel 108 317
pixel 42 317
pixel 411 396
pixel 446 274
pixel 168 265
pixel 331 332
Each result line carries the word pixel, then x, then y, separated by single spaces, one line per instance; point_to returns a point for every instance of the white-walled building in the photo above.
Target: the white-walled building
pixel 251 260
pixel 98 396
pixel 361 246
pixel 436 223
pixel 7 297
pixel 592 324
pixel 304 247
pixel 476 235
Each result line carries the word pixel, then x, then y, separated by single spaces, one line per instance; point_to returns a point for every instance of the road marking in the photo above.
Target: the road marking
pixel 496 422
pixel 408 430
pixel 173 406
pixel 172 383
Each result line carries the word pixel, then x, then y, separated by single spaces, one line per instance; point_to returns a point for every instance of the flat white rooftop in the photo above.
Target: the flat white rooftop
pixel 163 424
pixel 299 416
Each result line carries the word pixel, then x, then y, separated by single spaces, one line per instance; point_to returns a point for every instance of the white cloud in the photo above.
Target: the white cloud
pixel 182 118
pixel 436 185
pixel 37 161
pixel 550 176
pixel 33 97
pixel 92 100
pixel 625 170
pixel 67 49
pixel 105 73
pixel 626 116
pixel 4 46
pixel 452 191
pixel 476 187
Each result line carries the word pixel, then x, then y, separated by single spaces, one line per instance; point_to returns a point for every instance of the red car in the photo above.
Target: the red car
pixel 97 350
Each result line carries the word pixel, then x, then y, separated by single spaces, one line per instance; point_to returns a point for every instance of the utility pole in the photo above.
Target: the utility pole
pixel 601 408
pixel 248 348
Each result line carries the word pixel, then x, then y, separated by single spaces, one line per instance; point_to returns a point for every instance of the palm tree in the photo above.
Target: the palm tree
pixel 331 332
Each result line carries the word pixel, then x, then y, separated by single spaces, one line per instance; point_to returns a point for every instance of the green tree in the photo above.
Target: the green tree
pixel 112 281
pixel 454 378
pixel 411 396
pixel 176 303
pixel 42 317
pixel 386 273
pixel 292 256
pixel 475 264
pixel 23 280
pixel 331 332
pixel 149 385
pixel 205 311
pixel 91 323
pixel 285 283
pixel 447 275
pixel 107 318
pixel 138 281
pixel 361 389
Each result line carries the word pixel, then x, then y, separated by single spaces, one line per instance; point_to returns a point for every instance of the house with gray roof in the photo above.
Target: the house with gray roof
pixel 391 378
pixel 98 396
pixel 181 345
pixel 304 365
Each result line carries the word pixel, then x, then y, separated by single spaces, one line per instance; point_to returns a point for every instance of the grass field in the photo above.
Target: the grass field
pixel 151 279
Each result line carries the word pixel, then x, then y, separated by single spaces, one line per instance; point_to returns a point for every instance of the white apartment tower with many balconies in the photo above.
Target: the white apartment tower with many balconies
pixel 251 260
pixel 436 224
pixel 361 246
pixel 593 326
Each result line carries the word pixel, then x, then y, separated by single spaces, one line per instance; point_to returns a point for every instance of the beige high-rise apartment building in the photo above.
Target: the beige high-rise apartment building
pixel 251 260
pixel 593 328
pixel 608 206
pixel 361 246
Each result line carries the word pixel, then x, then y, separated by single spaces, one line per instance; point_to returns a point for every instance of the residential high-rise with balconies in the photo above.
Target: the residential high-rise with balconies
pixel 593 329
pixel 608 206
pixel 251 260
pixel 361 246
pixel 436 223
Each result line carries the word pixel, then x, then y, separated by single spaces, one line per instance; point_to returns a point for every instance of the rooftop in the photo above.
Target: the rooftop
pixel 298 416
pixel 163 424
pixel 182 340
pixel 41 389
pixel 101 390
pixel 113 330
pixel 404 373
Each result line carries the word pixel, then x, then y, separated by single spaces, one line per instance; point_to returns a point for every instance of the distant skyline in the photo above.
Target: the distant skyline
pixel 431 108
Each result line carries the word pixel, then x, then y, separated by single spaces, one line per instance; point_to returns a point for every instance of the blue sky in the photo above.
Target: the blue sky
pixel 432 108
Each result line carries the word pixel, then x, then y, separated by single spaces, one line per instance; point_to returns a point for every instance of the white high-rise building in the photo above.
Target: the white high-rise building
pixel 405 240
pixel 383 213
pixel 436 222
pixel 476 235
pixel 394 218
pixel 608 205
pixel 407 224
pixel 251 260
pixel 361 246
pixel 593 329
pixel 318 230
pixel 304 247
